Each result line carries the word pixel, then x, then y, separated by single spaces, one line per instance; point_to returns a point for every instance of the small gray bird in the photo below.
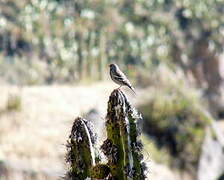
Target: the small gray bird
pixel 118 77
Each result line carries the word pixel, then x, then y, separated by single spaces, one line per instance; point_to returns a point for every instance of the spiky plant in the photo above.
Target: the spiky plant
pixel 122 146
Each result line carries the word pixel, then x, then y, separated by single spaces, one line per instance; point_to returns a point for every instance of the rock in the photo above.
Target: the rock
pixel 211 163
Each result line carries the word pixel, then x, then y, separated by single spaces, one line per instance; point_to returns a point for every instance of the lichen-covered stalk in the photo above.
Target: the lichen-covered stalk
pixel 81 155
pixel 122 147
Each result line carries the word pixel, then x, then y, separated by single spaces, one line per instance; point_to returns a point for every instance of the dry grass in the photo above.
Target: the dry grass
pixel 35 136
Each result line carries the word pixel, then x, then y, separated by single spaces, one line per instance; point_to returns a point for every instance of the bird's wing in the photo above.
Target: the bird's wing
pixel 119 75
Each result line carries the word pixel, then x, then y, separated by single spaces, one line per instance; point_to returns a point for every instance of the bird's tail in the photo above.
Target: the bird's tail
pixel 133 90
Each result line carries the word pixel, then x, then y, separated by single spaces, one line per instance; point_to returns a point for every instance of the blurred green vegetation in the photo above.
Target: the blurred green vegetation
pixel 14 103
pixel 46 41
pixel 151 151
pixel 176 123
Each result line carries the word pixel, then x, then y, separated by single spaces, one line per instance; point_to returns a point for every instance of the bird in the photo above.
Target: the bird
pixel 119 77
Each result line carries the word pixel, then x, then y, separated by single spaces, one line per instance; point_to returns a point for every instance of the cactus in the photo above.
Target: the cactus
pixel 80 146
pixel 122 146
